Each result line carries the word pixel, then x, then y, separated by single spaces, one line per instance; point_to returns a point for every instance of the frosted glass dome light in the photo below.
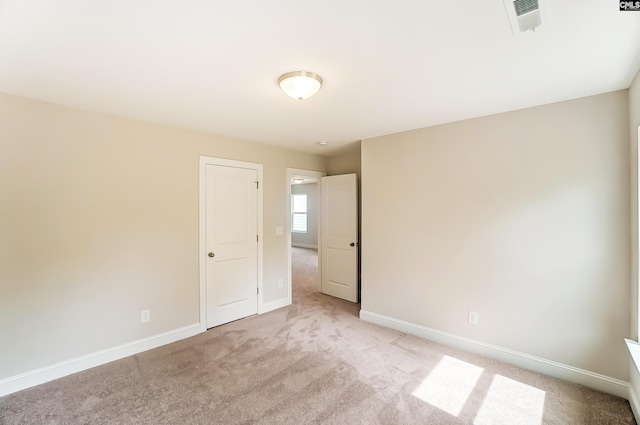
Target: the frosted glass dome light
pixel 300 85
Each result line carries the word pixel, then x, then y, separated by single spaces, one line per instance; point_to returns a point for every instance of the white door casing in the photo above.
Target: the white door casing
pixel 230 249
pixel 340 236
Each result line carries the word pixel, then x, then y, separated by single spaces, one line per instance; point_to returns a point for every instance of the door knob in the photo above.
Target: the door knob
pixel 211 254
pixel 352 244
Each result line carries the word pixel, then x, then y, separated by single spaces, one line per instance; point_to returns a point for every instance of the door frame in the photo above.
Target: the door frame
pixel 291 172
pixel 204 161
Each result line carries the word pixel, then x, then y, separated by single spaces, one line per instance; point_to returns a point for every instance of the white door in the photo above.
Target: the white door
pixel 340 236
pixel 231 217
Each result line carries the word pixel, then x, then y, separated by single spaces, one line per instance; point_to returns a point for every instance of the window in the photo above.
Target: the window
pixel 299 213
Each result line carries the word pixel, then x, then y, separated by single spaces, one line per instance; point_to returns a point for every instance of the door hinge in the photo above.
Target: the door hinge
pixel 257 184
pixel 257 238
pixel 258 290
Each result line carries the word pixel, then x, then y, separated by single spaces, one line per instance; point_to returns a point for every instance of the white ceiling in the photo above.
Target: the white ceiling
pixel 388 66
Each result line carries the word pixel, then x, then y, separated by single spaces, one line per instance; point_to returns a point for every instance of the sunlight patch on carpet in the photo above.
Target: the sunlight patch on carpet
pixel 449 385
pixel 511 402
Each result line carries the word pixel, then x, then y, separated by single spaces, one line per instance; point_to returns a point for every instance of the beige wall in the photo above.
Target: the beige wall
pixel 99 220
pixel 345 164
pixel 522 217
pixel 310 238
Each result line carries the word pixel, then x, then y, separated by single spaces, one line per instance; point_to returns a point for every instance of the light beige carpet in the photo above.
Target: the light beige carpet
pixel 313 362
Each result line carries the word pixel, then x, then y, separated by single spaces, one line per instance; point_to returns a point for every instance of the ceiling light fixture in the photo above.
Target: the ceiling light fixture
pixel 322 143
pixel 300 85
pixel 298 180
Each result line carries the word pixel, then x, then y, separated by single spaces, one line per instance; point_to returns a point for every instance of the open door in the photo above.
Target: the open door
pixel 339 196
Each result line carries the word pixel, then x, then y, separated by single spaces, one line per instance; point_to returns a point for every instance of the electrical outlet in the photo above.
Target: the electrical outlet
pixel 473 317
pixel 280 283
pixel 145 316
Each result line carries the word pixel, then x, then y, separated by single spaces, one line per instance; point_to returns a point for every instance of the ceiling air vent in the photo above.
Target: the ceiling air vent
pixel 524 15
pixel 525 6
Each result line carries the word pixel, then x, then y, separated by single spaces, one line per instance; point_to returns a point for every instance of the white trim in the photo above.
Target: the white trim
pixel 202 244
pixel 78 364
pixel 633 401
pixel 291 172
pixel 304 245
pixel 274 305
pixel 634 351
pixel 204 161
pixel 634 375
pixel 537 364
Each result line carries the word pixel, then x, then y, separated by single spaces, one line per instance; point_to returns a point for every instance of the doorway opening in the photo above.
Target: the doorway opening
pixel 304 237
pixel 304 271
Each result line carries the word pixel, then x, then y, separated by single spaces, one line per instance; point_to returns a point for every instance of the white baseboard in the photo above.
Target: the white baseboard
pixel 568 373
pixel 274 305
pixel 304 245
pixel 78 364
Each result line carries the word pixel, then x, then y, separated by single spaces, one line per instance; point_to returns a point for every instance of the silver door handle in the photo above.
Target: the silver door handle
pixel 211 255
